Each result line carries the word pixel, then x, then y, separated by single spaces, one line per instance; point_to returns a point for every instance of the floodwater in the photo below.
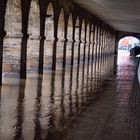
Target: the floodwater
pixel 115 115
pixel 41 104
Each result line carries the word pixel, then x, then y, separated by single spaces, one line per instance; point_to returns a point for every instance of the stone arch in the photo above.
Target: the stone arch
pixel 92 30
pixel 49 23
pixel 34 20
pixel 61 47
pixel 120 35
pixel 69 39
pixel 83 30
pixel 128 42
pixel 70 27
pixel 88 33
pixel 61 25
pixel 77 28
pixel 13 18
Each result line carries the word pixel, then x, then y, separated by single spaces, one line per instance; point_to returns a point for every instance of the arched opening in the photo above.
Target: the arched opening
pixel 75 60
pixel 49 24
pixel 61 24
pixel 13 18
pixel 83 31
pixel 77 29
pixel 92 34
pixel 87 36
pixel 70 28
pixel 33 42
pixel 11 49
pixel 127 45
pixel 70 41
pixel 49 33
pixel 34 20
pixel 60 43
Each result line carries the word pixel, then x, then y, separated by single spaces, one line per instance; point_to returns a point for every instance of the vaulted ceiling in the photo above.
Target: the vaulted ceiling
pixel 122 15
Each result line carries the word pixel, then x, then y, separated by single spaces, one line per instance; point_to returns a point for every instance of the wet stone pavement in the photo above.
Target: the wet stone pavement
pixel 43 105
pixel 116 113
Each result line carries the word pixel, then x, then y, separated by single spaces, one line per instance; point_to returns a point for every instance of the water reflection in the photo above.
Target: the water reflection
pixel 47 100
pixel 51 123
pixel 62 98
pixel 38 108
pixel 20 111
pixel 88 74
pixel 70 93
pixel 83 76
pixel 76 90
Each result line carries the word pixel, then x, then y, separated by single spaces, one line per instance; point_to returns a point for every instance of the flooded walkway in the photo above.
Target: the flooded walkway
pixel 43 105
pixel 115 115
pixel 83 102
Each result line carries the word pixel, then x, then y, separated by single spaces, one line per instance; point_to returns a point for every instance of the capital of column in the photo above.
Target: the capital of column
pixel 66 39
pixel 2 35
pixel 25 36
pixel 56 39
pixel 42 38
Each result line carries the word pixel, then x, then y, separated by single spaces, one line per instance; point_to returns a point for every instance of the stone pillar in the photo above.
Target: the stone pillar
pixel 79 51
pixel 25 9
pixel 54 55
pixel 73 38
pixel 72 53
pixel 2 33
pixel 43 10
pixel 85 32
pixel 41 55
pixel 92 55
pixel 64 54
pixel 115 54
pixel 90 29
pixel 80 28
pixel 92 59
pixel 1 55
pixel 56 19
pixel 23 57
pixel 2 17
pixel 74 24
